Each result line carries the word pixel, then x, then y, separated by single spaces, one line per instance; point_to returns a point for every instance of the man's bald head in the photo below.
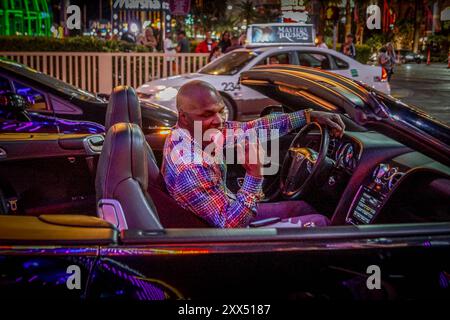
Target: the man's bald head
pixel 199 101
pixel 196 95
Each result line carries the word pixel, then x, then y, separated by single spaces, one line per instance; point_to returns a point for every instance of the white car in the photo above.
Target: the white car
pixel 244 103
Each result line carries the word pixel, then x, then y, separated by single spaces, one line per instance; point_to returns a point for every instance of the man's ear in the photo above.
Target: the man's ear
pixel 181 117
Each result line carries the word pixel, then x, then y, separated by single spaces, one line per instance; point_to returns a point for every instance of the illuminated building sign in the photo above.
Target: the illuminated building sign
pixel 25 17
pixel 294 11
pixel 281 34
pixel 145 5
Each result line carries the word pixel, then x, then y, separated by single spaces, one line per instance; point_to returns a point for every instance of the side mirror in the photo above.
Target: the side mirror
pixel 272 109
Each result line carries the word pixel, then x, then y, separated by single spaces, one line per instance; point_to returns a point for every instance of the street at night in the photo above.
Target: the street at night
pixel 238 159
pixel 426 86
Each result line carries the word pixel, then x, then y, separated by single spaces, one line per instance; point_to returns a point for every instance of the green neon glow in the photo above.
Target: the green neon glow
pixel 25 17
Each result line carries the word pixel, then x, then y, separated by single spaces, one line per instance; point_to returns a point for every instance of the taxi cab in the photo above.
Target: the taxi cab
pixel 244 103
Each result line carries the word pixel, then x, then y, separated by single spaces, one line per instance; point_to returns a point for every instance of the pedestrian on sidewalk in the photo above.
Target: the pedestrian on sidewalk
pixel 320 43
pixel 183 43
pixel 148 39
pixel 243 39
pixel 348 47
pixel 215 53
pixel 391 53
pixel 387 61
pixel 234 44
pixel 207 45
pixel 225 41
pixel 170 52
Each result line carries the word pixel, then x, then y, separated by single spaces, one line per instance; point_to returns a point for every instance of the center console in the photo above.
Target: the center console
pixel 371 197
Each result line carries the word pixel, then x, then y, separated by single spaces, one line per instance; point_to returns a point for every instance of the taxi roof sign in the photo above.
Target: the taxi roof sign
pixel 280 34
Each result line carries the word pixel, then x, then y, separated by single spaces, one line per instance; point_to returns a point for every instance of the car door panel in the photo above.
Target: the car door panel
pixel 50 256
pixel 259 263
pixel 48 173
pixel 43 273
pixel 267 264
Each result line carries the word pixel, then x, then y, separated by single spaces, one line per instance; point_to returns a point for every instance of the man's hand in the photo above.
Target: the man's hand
pixel 251 156
pixel 332 120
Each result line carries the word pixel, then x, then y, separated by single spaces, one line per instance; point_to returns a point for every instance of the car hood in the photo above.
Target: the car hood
pixel 300 87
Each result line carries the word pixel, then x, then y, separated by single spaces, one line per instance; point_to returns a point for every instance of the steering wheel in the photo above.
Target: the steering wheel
pixel 302 165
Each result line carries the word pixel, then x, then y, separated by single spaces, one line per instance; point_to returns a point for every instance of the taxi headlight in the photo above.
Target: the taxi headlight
pixel 147 91
pixel 166 94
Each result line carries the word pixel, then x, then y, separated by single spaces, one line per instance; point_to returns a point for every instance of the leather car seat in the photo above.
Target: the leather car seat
pixel 124 106
pixel 122 180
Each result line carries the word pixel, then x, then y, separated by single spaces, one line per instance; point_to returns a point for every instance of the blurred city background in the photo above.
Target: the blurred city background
pixel 42 35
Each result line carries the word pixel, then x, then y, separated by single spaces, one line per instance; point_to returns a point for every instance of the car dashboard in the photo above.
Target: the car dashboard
pixel 388 182
pixel 346 153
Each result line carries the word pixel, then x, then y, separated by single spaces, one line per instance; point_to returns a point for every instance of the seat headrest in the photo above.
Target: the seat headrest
pixel 123 106
pixel 123 157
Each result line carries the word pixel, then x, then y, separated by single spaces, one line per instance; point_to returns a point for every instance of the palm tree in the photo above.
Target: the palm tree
pixel 268 16
pixel 361 8
pixel 348 18
pixel 247 11
pixel 418 15
pixel 209 13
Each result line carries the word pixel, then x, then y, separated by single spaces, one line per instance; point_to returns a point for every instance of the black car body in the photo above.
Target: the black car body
pixel 406 221
pixel 57 101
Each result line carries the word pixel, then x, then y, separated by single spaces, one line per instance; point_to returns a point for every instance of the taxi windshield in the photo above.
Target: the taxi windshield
pixel 229 64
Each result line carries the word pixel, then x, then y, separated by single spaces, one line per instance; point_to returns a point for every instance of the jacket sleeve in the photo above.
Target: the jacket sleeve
pixel 283 123
pixel 201 190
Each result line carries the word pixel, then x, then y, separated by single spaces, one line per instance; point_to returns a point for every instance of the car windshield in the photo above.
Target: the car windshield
pixel 229 64
pixel 415 117
pixel 44 79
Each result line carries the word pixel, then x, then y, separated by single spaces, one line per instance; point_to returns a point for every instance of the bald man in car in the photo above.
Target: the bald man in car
pixel 197 182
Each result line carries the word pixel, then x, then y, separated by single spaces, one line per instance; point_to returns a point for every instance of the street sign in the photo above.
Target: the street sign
pixel 281 34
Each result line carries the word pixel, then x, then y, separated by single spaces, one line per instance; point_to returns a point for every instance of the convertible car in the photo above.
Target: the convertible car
pixel 385 185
